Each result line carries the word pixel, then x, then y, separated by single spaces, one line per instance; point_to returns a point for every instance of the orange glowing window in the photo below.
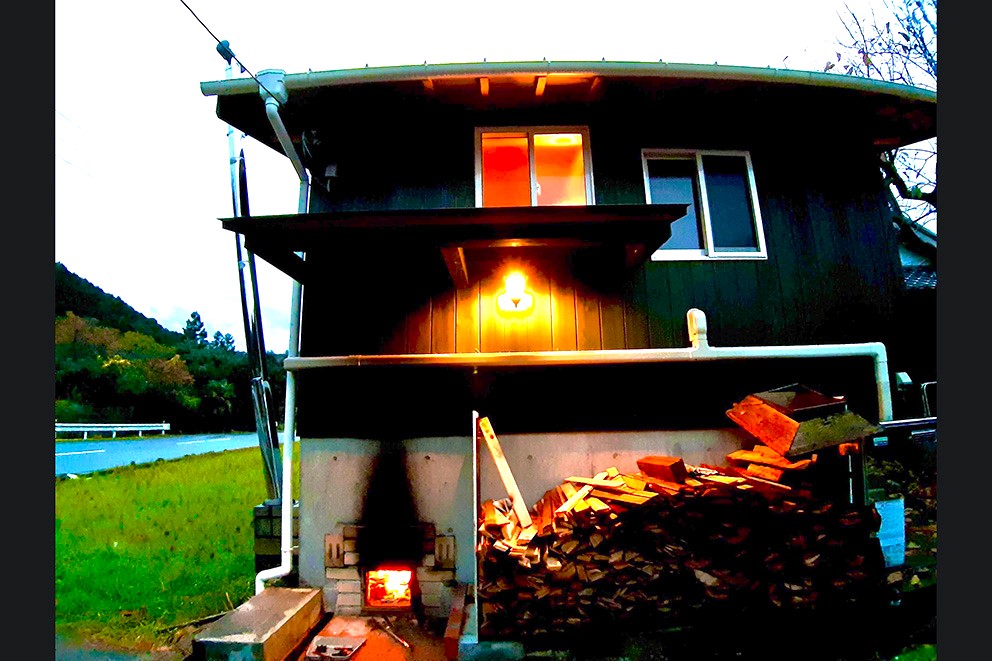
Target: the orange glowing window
pixel 388 588
pixel 531 167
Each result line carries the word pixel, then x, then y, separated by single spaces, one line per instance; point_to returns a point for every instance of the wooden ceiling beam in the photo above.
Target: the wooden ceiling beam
pixel 484 86
pixel 539 85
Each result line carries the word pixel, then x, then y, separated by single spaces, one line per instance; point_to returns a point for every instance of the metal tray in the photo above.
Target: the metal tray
pixel 323 648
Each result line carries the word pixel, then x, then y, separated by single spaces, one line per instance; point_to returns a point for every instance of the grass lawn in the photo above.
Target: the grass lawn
pixel 143 548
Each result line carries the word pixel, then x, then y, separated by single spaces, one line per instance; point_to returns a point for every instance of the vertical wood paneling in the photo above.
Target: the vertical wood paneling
pixel 658 285
pixel 563 335
pixel 467 330
pixel 419 329
pixel 443 322
pixel 491 333
pixel 611 321
pixel 587 328
pixel 635 311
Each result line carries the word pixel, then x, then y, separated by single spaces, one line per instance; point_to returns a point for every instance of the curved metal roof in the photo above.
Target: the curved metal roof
pixel 895 114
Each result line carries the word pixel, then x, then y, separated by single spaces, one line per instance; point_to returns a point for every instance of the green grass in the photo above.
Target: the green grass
pixel 143 548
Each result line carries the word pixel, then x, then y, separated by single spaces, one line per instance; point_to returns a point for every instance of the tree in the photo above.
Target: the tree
pixel 899 46
pixel 222 341
pixel 194 331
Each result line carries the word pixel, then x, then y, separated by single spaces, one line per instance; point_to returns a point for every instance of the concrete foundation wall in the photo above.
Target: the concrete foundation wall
pixel 335 474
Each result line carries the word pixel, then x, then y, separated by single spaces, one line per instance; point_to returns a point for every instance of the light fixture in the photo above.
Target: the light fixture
pixel 514 297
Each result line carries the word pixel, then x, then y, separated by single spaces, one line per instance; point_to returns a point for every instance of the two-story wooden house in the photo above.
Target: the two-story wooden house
pixel 525 242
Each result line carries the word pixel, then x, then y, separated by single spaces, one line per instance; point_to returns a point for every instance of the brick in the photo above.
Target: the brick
pixel 350 532
pixel 431 600
pixel 348 610
pixel 263 527
pixel 428 560
pixel 348 599
pixel 425 574
pixel 350 559
pixel 349 586
pixel 350 545
pixel 343 574
pixel 333 552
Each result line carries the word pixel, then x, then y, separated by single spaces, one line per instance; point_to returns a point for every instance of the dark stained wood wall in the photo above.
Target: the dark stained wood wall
pixel 831 273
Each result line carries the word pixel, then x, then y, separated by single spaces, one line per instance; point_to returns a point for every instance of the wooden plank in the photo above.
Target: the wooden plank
pixel 419 329
pixel 577 496
pixel 505 474
pixel 454 259
pixel 611 483
pixel 539 85
pixel 622 497
pixel 456 619
pixel 774 429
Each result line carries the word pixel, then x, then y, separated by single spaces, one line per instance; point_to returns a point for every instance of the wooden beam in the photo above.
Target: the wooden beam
pixel 595 86
pixel 505 474
pixel 484 86
pixel 456 620
pixel 454 258
pixel 539 85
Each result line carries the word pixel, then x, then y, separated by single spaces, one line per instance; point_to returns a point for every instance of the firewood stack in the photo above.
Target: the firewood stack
pixel 657 546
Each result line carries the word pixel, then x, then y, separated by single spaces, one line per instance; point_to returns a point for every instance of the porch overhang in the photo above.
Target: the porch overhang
pixel 622 236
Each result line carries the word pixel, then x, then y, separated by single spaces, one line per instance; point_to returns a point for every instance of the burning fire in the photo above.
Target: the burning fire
pixel 388 588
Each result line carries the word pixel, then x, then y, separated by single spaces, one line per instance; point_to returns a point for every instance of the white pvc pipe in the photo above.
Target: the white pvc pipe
pixel 289 427
pixel 701 350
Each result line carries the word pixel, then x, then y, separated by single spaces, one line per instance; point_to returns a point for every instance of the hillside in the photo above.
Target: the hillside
pixel 84 299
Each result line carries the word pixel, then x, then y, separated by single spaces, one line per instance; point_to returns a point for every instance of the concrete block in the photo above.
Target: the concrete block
pixel 348 599
pixel 267 627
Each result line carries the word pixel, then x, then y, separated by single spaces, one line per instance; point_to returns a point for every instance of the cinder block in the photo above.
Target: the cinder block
pixel 350 531
pixel 428 560
pixel 350 545
pixel 263 527
pixel 351 560
pixel 348 599
pixel 431 600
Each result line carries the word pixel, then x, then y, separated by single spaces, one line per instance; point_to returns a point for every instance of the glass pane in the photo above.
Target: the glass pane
pixel 673 181
pixel 505 170
pixel 729 199
pixel 560 169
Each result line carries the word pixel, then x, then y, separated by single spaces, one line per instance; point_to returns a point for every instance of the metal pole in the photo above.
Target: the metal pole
pixel 268 438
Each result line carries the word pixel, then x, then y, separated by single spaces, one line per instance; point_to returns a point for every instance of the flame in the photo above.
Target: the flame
pixel 389 587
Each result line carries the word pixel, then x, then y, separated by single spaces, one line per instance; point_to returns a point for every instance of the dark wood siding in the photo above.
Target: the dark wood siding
pixel 831 273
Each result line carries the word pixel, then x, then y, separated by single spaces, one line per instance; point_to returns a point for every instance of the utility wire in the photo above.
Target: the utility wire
pixel 243 67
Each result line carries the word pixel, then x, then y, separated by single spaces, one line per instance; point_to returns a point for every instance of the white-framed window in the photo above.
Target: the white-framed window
pixel 533 166
pixel 723 220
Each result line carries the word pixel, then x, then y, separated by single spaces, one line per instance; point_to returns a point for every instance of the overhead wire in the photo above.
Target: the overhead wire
pixel 243 67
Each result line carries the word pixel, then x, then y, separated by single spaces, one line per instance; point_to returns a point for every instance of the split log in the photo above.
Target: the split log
pixel 505 474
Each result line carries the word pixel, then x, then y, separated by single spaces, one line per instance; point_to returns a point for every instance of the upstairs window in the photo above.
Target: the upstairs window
pixel 723 220
pixel 521 167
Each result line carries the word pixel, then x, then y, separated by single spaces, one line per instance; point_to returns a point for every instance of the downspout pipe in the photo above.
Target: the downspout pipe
pixel 273 91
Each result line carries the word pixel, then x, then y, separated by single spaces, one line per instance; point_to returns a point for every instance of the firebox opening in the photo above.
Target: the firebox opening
pixel 389 588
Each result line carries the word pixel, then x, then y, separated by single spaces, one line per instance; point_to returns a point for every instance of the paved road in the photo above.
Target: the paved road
pixel 80 457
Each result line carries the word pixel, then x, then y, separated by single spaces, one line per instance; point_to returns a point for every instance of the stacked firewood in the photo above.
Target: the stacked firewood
pixel 664 543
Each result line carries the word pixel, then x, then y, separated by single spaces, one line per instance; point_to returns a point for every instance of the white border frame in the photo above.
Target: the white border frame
pixel 529 132
pixel 708 250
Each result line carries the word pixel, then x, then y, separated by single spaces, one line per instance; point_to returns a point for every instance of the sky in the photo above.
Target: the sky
pixel 142 161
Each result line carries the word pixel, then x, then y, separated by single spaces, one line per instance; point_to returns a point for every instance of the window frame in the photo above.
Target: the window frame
pixel 708 251
pixel 530 131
